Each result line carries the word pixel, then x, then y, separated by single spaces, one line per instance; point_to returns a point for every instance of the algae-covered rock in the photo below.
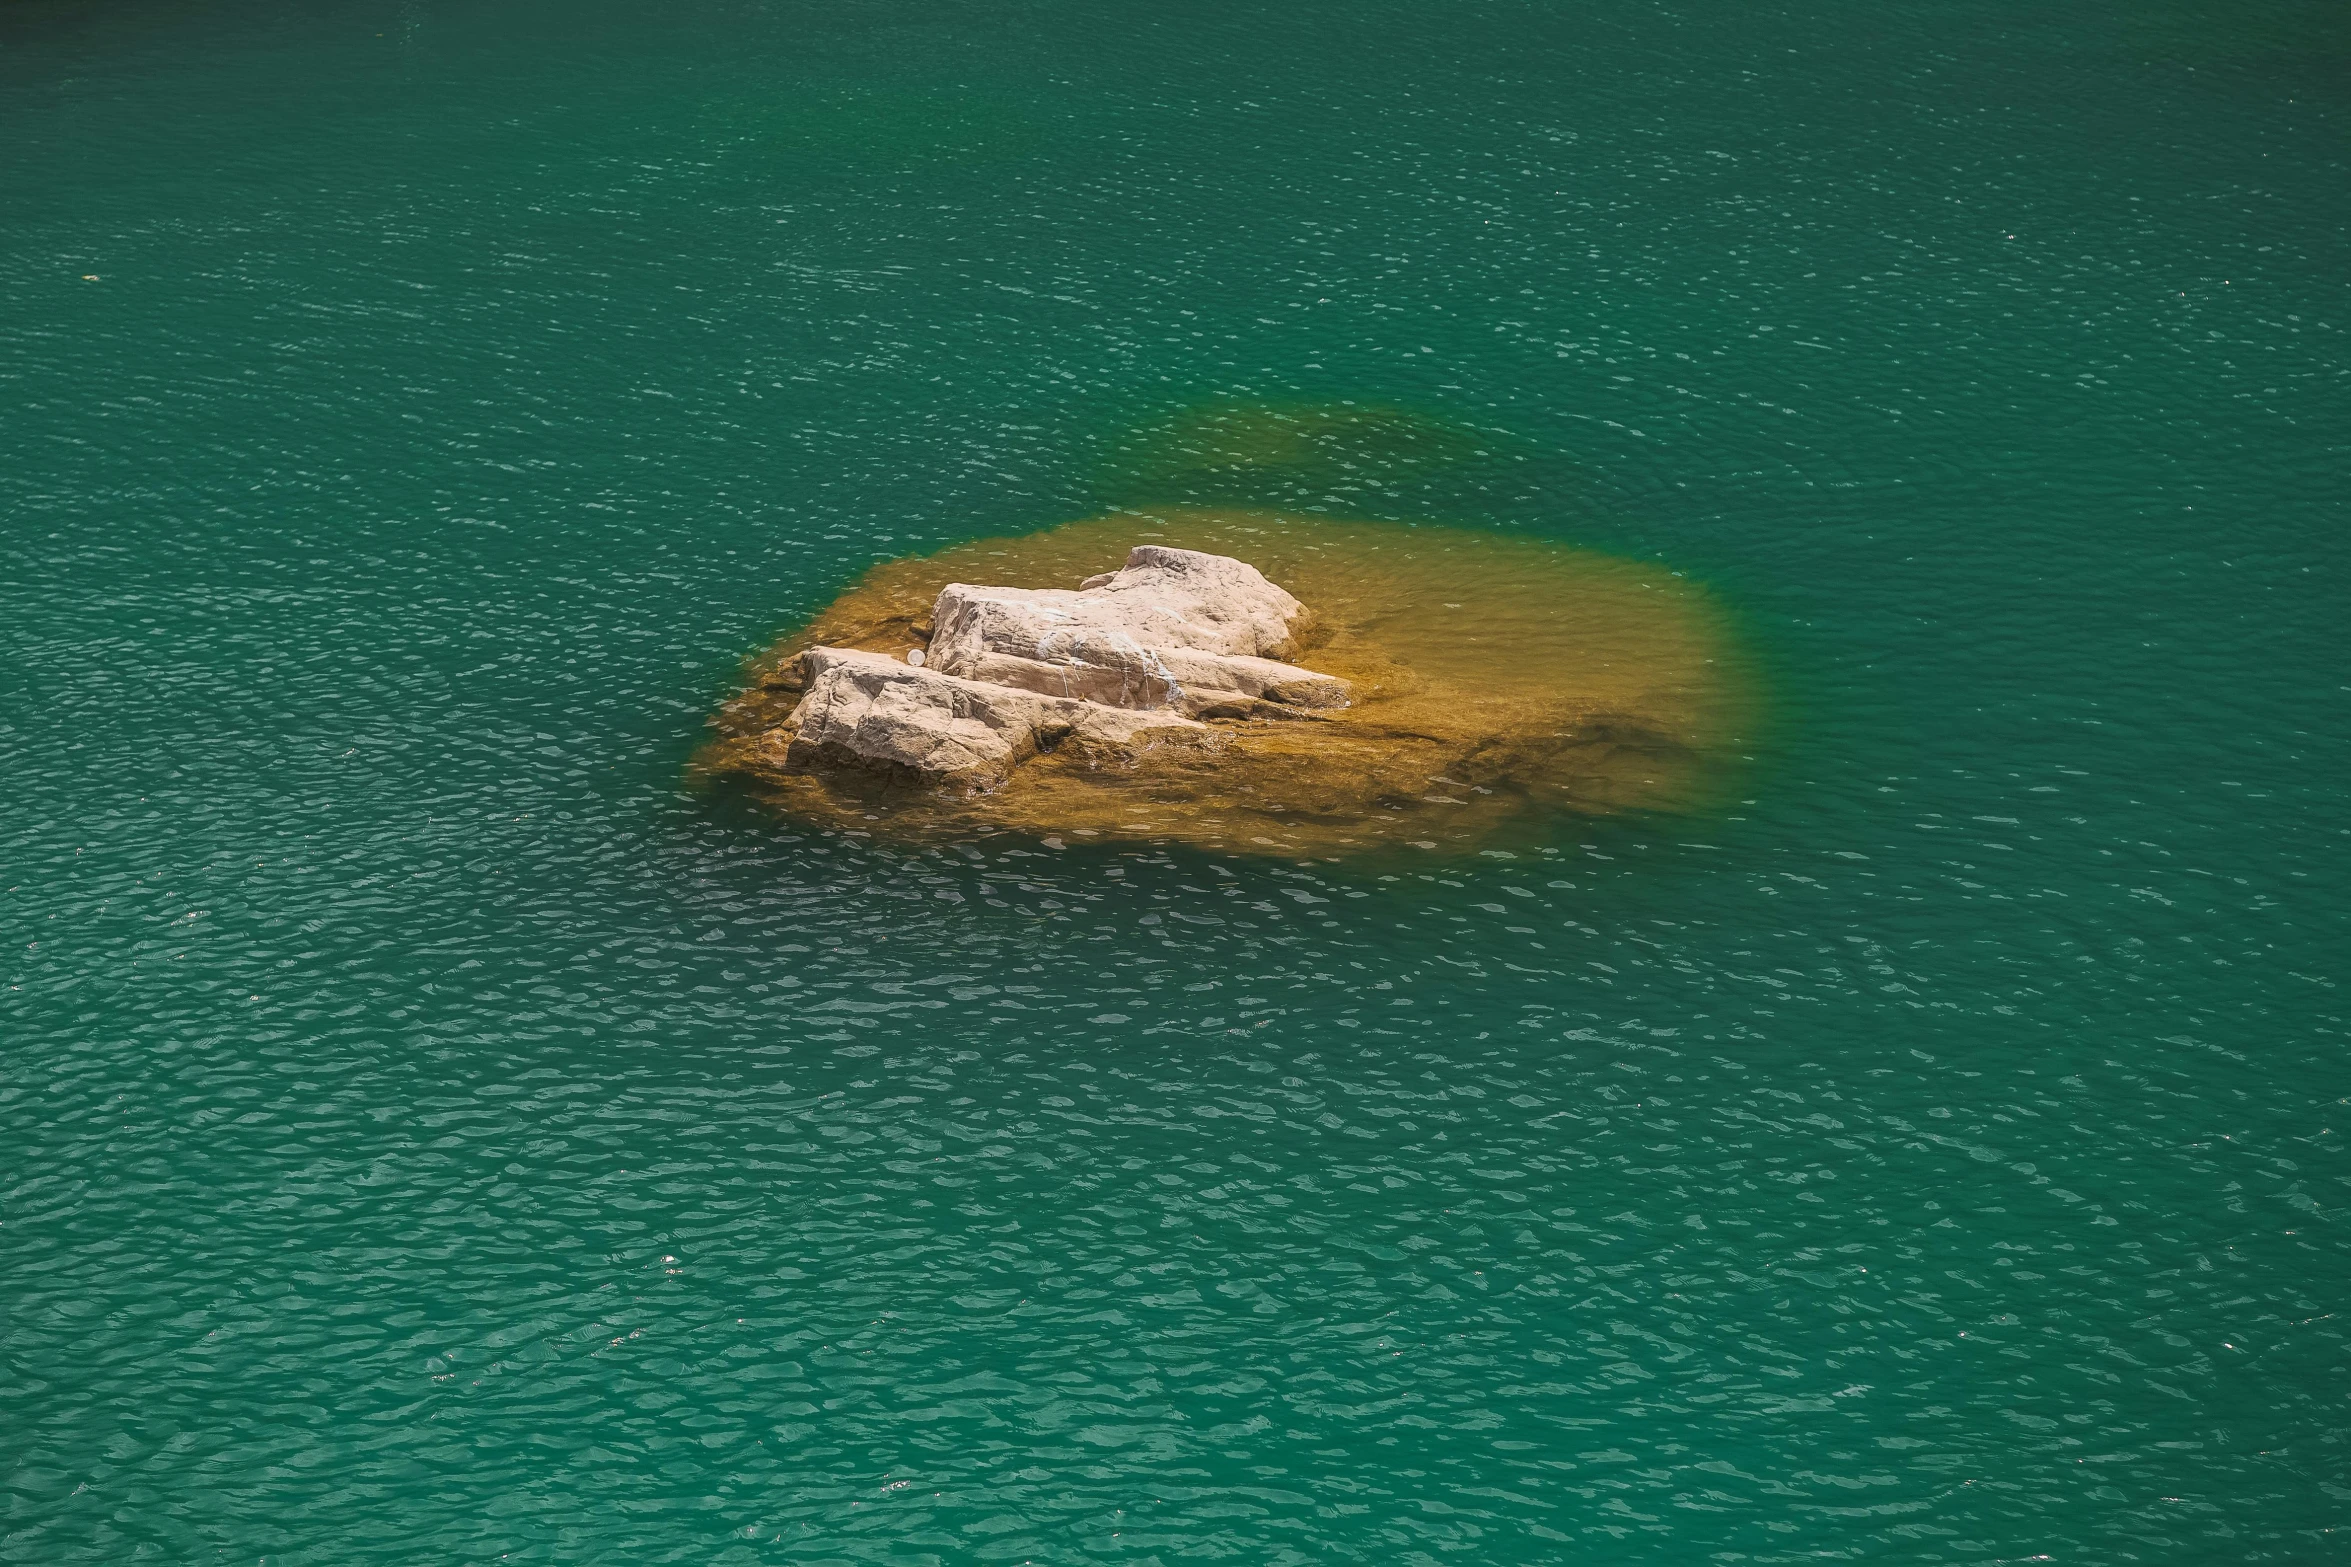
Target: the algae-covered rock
pixel 1288 684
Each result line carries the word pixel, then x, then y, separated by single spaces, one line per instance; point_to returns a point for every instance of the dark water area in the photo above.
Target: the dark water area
pixel 434 1130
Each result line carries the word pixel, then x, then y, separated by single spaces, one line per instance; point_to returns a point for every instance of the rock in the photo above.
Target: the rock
pixel 866 712
pixel 1172 628
pixel 1201 673
pixel 1161 598
pixel 1229 599
pixel 1126 664
pixel 1136 685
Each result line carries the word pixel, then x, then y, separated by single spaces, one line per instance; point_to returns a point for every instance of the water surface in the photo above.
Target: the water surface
pixel 434 1131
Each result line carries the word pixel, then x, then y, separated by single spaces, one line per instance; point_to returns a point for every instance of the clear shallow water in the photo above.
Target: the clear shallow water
pixel 434 1134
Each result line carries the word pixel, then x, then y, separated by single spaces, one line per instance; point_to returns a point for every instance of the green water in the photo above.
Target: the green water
pixel 430 1132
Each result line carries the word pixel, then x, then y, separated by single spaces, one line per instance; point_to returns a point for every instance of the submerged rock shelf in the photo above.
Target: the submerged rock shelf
pixel 1374 684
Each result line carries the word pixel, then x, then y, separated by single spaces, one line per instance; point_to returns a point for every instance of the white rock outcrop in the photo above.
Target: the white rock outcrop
pixel 866 711
pixel 1161 598
pixel 1127 662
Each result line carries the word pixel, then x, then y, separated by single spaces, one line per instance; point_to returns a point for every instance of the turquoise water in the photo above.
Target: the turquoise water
pixel 433 1132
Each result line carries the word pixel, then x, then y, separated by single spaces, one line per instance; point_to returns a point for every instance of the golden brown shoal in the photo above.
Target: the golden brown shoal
pixel 1497 681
